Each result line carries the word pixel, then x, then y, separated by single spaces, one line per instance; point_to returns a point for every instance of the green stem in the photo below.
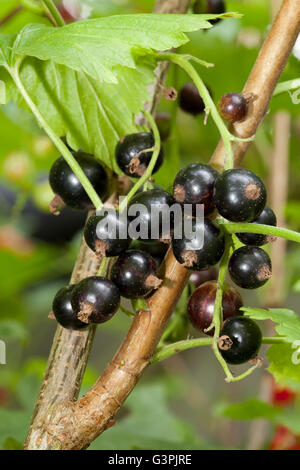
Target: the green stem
pixel 286 86
pixel 166 351
pixel 242 376
pixel 53 13
pixel 103 268
pixel 210 107
pixel 32 6
pixel 274 340
pixel 156 149
pixel 57 141
pixel 262 229
pixel 126 311
pixel 179 346
pixel 218 312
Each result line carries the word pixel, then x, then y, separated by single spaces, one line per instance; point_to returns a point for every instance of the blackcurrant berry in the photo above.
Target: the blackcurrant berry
pixel 95 299
pixel 239 195
pixel 233 107
pixel 201 304
pixel 152 208
pixel 65 183
pixel 107 234
pixel 240 340
pixel 130 156
pixel 63 310
pixel 215 7
pixel 190 100
pixel 163 122
pixel 156 249
pixel 267 217
pixel 188 253
pixel 135 274
pixel 194 184
pixel 250 267
pixel 200 277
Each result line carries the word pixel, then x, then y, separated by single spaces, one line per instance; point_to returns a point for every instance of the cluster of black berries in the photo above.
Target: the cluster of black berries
pixel 239 196
pixel 135 272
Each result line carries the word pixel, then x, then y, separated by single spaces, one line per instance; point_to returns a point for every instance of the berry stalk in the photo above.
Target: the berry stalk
pixel 217 316
pixel 156 149
pixel 210 107
pixel 53 13
pixel 175 348
pixel 262 229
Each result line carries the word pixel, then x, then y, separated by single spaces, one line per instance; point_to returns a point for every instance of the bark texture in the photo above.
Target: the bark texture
pixel 70 349
pixel 74 425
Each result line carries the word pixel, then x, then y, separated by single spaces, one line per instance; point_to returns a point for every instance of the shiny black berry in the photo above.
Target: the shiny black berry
pixel 215 7
pixel 63 310
pixel 163 122
pixel 201 304
pixel 233 107
pixel 194 184
pixel 250 267
pixel 65 183
pixel 107 234
pixel 135 274
pixel 194 254
pixel 239 195
pixel 147 211
pixel 130 156
pixel 95 299
pixel 240 340
pixel 190 99
pixel 267 217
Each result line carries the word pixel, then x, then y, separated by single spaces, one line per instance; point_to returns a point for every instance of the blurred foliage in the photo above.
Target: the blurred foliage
pixel 157 413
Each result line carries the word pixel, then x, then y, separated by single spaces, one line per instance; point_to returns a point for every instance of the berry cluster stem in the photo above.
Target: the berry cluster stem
pixel 156 149
pixel 261 229
pixel 174 348
pixel 14 72
pixel 52 13
pixel 210 107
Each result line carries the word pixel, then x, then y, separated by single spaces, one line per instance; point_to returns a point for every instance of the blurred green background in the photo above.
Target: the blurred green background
pixel 178 403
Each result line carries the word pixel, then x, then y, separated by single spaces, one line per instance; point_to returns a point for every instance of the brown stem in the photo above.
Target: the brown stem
pixel 74 425
pixel 70 350
pixel 264 76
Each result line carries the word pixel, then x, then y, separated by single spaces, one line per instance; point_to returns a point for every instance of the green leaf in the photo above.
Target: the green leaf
pixel 12 329
pixel 250 409
pixel 2 92
pixel 284 365
pixel 12 444
pixel 296 286
pixel 257 409
pixel 92 115
pixel 6 44
pixel 97 46
pixel 288 321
